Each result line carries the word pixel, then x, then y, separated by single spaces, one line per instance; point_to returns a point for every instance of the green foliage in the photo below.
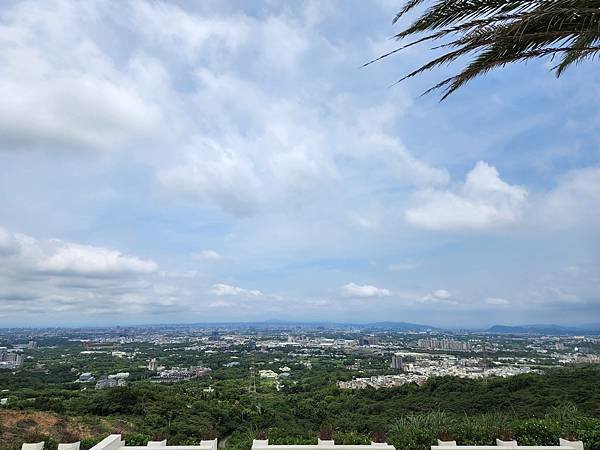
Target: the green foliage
pixel 537 432
pixel 499 32
pixel 534 409
pixel 136 439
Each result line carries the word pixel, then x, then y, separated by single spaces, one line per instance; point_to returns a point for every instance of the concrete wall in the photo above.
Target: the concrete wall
pixel 324 445
pixel 114 442
pixel 507 445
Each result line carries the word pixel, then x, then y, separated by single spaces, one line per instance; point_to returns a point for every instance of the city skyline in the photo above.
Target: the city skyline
pixel 167 162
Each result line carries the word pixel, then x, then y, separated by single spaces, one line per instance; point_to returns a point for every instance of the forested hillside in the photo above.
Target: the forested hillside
pixel 532 408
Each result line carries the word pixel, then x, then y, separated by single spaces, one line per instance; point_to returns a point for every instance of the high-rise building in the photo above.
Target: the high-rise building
pixel 153 365
pixel 368 340
pixel 396 362
pixel 10 359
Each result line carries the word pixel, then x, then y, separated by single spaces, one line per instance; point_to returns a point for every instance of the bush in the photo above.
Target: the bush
pixel 136 439
pixel 536 432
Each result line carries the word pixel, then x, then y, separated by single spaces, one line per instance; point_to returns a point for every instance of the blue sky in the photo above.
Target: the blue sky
pixel 230 161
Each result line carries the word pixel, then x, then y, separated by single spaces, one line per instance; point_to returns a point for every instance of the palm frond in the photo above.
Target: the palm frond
pixel 500 32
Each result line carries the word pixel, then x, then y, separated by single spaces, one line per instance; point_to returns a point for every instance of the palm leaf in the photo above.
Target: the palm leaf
pixel 500 32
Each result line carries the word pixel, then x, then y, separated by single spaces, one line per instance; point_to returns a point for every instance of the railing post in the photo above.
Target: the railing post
pixel 35 446
pixel 577 445
pixel 70 446
pixel 212 442
pixel 112 442
pixel 446 443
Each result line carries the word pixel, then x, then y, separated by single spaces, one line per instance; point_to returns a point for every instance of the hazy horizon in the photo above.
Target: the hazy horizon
pixel 173 162
pixel 590 326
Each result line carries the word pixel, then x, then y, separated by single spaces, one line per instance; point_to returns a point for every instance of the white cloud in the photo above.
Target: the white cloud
pixel 67 258
pixel 9 244
pixel 192 35
pixel 367 220
pixel 283 44
pixel 215 173
pixel 441 296
pixel 357 290
pixel 573 201
pixel 484 201
pixel 50 276
pixel 225 290
pixel 207 255
pixel 51 100
pixel 64 257
pixel 497 301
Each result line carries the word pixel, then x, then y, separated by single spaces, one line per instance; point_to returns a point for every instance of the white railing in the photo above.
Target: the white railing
pixel 263 444
pixel 506 445
pixel 204 445
pixel 114 442
pixel 71 446
pixel 36 446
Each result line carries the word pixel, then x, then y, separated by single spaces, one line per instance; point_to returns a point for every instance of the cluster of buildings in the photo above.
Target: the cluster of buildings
pixel 177 374
pixel 10 358
pixel 174 374
pixel 85 377
pixel 382 381
pixel 419 367
pixel 116 380
pixel 269 374
pixel 444 344
pixel 27 346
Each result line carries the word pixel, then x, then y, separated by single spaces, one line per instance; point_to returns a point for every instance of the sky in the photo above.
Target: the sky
pixel 177 162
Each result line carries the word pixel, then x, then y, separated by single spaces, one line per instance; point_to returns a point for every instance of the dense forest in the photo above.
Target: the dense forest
pixel 532 408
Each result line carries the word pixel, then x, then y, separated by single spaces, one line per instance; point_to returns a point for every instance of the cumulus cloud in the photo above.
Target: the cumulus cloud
pixel 174 29
pixel 58 257
pixel 214 173
pixel 234 141
pixel 9 244
pixel 255 150
pixel 51 276
pixel 484 201
pixel 207 256
pixel 366 290
pixel 441 296
pixel 573 201
pixel 226 290
pixel 54 101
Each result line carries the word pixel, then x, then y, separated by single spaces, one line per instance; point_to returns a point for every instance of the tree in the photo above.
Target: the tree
pixel 499 32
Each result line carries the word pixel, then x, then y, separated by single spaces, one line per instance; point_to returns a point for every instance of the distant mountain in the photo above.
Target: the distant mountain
pixel 276 323
pixel 544 329
pixel 400 326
